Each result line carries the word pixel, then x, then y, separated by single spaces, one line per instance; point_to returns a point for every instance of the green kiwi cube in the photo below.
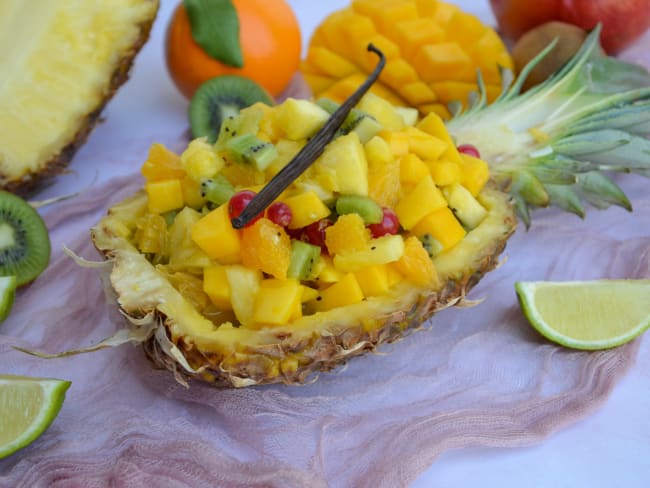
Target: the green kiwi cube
pixel 303 260
pixel 369 210
pixel 248 148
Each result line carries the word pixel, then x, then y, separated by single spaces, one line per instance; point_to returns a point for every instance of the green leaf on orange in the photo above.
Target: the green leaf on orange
pixel 215 27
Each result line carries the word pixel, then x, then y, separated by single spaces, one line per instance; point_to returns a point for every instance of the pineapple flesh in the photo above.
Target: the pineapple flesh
pixel 237 307
pixel 72 57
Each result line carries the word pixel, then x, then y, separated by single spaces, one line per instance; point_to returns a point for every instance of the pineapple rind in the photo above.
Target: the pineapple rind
pixel 238 356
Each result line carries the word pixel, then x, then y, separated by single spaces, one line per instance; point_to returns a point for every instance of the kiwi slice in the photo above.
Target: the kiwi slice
pixel 24 239
pixel 219 99
pixel 7 294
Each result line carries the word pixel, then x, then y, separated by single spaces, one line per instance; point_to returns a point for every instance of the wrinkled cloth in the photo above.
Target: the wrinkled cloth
pixel 472 377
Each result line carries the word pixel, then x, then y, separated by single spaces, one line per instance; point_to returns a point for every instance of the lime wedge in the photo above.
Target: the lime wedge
pixel 7 294
pixel 27 407
pixel 596 314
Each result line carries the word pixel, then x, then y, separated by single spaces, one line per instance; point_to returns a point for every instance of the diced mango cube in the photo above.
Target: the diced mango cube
pixel 475 173
pixel 381 250
pixel 424 199
pixel 445 172
pixel 416 265
pixel 215 285
pixel 433 124
pixel 276 301
pixel 425 145
pixel 398 142
pixel 306 208
pixel 348 233
pixel 164 195
pixel 300 118
pixel 373 280
pixel 442 226
pixel 200 160
pixel 412 169
pixel 215 235
pixel 344 292
pixel 327 273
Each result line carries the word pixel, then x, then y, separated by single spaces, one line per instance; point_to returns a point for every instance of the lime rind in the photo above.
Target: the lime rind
pixel 526 293
pixel 53 391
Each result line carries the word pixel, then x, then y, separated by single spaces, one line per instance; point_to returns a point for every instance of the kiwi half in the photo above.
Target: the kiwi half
pixel 220 98
pixel 24 239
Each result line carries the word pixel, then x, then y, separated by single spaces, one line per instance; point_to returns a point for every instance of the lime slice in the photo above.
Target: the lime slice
pixel 596 314
pixel 27 407
pixel 7 293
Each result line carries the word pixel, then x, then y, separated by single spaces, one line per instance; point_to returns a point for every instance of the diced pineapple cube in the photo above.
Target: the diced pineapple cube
pixel 192 193
pixel 348 233
pixel 373 280
pixel 442 226
pixel 381 250
pixel 215 235
pixel 276 301
pixel 345 161
pixel 382 110
pixel 425 145
pixel 344 292
pixel 300 118
pixel 183 251
pixel 306 208
pixel 327 272
pixel 287 150
pixel 200 160
pixel 412 169
pixel 164 195
pixel 244 285
pixel 410 115
pixel 445 172
pixel 377 151
pixel 215 285
pixel 162 164
pixel 466 208
pixel 422 200
pixel 384 184
pixel 416 265
pixel 475 173
pixel 433 124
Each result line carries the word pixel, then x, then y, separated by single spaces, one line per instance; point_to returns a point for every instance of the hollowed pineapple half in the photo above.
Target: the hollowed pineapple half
pixel 433 49
pixel 277 301
pixel 61 61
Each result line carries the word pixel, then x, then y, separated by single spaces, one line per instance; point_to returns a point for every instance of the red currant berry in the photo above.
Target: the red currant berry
pixel 389 224
pixel 280 213
pixel 238 202
pixel 469 150
pixel 315 232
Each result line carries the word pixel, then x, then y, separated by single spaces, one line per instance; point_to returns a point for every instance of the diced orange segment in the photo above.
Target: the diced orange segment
pixel 425 145
pixel 424 199
pixel 444 61
pixel 373 280
pixel 445 172
pixel 443 226
pixel 412 169
pixel 344 292
pixel 215 285
pixel 306 208
pixel 348 233
pixel 215 235
pixel 475 173
pixel 276 301
pixel 266 246
pixel 164 195
pixel 162 164
pixel 416 265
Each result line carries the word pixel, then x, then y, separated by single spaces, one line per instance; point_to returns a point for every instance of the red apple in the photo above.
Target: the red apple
pixel 623 20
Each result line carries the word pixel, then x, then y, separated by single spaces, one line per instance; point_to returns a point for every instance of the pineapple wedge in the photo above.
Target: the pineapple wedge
pixel 61 61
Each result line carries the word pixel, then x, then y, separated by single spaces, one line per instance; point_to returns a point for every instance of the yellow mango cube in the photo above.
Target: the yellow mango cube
pixel 412 169
pixel 444 61
pixel 397 73
pixel 475 173
pixel 373 280
pixel 433 124
pixel 397 141
pixel 425 145
pixel 215 235
pixel 417 93
pixel 329 63
pixel 164 195
pixel 445 172
pixel 416 265
pixel 348 233
pixel 422 200
pixel 306 208
pixel 415 33
pixel 216 286
pixel 344 292
pixel 200 160
pixel 276 301
pixel 328 273
pixel 443 226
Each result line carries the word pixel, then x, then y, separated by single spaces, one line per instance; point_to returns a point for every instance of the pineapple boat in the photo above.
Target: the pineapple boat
pixel 391 223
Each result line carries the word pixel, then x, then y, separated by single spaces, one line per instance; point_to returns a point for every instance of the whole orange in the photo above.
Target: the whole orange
pixel 270 42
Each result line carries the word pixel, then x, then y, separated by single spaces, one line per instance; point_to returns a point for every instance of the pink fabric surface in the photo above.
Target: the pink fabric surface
pixel 474 377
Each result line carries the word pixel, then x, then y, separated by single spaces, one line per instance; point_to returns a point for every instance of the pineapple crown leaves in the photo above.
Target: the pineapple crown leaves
pixel 551 144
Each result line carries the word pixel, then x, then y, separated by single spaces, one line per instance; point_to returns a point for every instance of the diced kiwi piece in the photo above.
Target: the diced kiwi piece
pixel 24 240
pixel 220 98
pixel 248 148
pixel 369 210
pixel 431 245
pixel 304 258
pixel 217 190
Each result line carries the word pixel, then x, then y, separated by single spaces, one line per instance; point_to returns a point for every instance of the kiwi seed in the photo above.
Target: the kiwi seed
pixel 24 239
pixel 220 98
